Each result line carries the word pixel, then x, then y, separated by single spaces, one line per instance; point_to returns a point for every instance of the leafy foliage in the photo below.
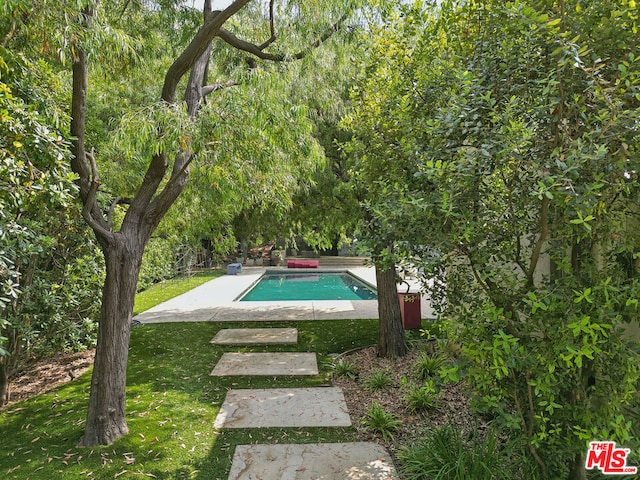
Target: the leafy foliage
pixel 158 262
pixel 429 365
pixel 445 453
pixel 345 368
pixel 512 130
pixel 380 421
pixel 420 398
pixel 378 380
pixel 50 270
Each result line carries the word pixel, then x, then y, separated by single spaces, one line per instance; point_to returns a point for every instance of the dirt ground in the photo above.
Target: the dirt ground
pixel 453 402
pixel 47 374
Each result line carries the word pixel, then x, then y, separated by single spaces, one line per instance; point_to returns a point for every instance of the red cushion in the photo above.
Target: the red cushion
pixel 303 263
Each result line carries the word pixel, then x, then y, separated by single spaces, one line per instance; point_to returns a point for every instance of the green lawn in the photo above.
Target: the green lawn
pixel 163 291
pixel 172 403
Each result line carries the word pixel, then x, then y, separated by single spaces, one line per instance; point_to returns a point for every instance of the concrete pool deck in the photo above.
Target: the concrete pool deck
pixel 214 301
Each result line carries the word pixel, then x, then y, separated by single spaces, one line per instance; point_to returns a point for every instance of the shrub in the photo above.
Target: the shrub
pixel 444 454
pixel 158 262
pixel 426 366
pixel 379 421
pixel 434 329
pixel 421 398
pixel 344 368
pixel 378 380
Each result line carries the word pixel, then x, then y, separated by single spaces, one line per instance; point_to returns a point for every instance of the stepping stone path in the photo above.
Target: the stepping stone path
pixel 266 364
pixel 290 407
pixel 284 407
pixel 256 336
pixel 337 461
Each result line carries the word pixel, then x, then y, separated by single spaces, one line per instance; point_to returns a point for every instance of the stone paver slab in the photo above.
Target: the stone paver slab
pixel 256 336
pixel 266 364
pixel 327 461
pixel 283 407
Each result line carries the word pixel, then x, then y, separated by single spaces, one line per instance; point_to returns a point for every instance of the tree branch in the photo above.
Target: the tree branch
pixel 82 162
pixel 544 232
pixel 518 260
pixel 207 89
pixel 180 173
pixel 196 48
pixel 90 208
pixel 9 34
pixel 163 201
pixel 248 47
pixel 272 28
pixel 124 7
pixel 257 51
pixel 152 179
pixel 158 165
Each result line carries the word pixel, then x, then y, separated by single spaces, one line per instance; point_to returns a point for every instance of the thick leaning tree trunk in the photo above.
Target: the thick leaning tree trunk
pixel 106 420
pixel 391 338
pixel 106 414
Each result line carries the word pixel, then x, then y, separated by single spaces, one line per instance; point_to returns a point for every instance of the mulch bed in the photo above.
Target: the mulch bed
pixel 48 373
pixel 453 400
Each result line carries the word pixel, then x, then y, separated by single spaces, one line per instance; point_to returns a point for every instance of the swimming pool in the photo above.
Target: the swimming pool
pixel 309 286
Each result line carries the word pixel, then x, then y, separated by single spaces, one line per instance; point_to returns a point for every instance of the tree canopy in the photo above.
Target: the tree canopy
pixel 507 134
pixel 242 131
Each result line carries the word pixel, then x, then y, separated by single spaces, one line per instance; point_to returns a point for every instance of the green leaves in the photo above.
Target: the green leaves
pixel 584 221
pixel 143 133
pixel 507 150
pixel 50 272
pixel 585 295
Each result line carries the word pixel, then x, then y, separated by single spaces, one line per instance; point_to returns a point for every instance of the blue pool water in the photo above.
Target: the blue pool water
pixel 309 286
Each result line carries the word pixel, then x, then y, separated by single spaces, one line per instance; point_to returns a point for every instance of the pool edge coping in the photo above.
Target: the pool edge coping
pixel 307 270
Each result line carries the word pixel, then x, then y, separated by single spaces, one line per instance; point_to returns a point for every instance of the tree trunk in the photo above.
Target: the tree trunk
pixel 8 363
pixel 577 470
pixel 123 251
pixel 106 414
pixel 391 339
pixel 4 383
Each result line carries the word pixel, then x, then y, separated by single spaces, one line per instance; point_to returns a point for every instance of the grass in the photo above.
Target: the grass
pixel 172 402
pixel 166 290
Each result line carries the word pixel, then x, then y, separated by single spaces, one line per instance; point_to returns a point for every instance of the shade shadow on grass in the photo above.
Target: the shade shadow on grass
pixel 172 402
